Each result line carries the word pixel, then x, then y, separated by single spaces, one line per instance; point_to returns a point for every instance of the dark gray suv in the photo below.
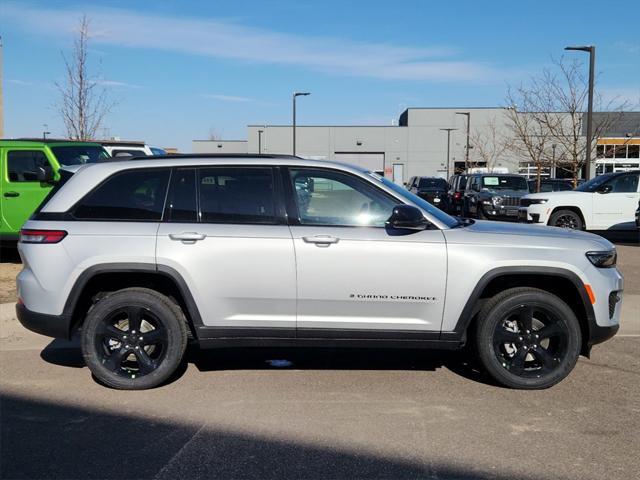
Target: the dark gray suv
pixel 490 196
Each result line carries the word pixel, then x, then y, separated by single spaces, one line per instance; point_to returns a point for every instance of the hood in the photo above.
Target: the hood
pixel 561 194
pixel 495 232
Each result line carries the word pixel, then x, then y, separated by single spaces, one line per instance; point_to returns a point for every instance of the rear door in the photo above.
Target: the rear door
pixel 22 193
pixel 225 232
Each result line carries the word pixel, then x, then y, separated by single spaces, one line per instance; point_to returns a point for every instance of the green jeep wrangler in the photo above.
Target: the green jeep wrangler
pixel 29 169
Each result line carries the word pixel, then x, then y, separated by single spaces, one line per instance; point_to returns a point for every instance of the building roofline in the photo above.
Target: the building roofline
pixel 220 140
pixel 341 126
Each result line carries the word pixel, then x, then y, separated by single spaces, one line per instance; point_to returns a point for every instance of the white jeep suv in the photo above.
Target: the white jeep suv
pixel 140 256
pixel 606 202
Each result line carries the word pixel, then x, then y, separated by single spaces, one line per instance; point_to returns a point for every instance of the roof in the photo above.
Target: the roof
pixel 30 141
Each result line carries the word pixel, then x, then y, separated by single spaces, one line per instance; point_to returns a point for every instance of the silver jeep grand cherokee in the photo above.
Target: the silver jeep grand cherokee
pixel 141 256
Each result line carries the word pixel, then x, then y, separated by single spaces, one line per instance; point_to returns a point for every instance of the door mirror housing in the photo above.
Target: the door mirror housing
pixel 407 217
pixel 605 188
pixel 45 174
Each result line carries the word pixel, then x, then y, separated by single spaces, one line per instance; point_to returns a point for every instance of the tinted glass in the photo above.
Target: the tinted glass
pixel 132 195
pixel 23 165
pixel 79 154
pixel 333 198
pixel 158 151
pixel 432 184
pixel 237 195
pixel 499 182
pixel 124 152
pixel 593 184
pixel 624 183
pixel 633 151
pixel 181 202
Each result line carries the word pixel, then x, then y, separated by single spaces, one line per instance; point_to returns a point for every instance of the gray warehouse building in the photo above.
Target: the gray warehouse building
pixel 417 145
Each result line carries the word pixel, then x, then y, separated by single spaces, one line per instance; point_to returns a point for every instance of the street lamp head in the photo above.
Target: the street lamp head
pixel 301 94
pixel 582 48
pixel 463 113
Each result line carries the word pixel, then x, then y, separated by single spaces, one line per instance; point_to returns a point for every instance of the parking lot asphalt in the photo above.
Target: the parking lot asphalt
pixel 321 413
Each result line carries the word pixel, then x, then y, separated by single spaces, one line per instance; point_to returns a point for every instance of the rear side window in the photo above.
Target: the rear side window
pixel 237 195
pixel 137 195
pixel 23 165
pixel 181 202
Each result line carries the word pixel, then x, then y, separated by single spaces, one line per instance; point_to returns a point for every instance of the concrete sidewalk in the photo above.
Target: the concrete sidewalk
pixel 14 336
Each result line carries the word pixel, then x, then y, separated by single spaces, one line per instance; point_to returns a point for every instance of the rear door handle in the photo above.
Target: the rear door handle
pixel 187 237
pixel 11 194
pixel 321 240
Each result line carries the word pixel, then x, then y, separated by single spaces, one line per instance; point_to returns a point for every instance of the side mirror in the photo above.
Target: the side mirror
pixel 407 217
pixel 605 189
pixel 45 174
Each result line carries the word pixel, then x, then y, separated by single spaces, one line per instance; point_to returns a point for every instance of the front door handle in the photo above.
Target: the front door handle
pixel 321 240
pixel 11 194
pixel 187 237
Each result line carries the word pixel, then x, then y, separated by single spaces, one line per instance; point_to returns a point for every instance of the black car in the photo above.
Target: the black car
pixel 455 196
pixel 550 185
pixel 494 195
pixel 432 189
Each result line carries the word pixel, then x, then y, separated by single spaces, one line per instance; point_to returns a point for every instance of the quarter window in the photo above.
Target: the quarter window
pixel 237 195
pixel 23 165
pixel 137 195
pixel 333 198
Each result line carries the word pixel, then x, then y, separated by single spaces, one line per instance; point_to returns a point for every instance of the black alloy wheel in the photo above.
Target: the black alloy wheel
pixel 566 219
pixel 527 338
pixel 134 339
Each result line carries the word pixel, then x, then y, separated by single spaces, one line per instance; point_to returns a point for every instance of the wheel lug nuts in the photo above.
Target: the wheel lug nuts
pixel 139 338
pixel 520 338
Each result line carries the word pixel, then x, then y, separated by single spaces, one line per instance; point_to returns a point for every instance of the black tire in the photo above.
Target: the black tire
pixel 134 339
pixel 527 338
pixel 566 219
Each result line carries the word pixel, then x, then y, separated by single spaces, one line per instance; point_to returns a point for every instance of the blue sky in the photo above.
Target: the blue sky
pixel 181 69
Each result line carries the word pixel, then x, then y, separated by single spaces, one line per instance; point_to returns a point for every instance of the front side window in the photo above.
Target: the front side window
pixel 23 165
pixel 334 198
pixel 624 183
pixel 137 195
pixel 237 195
pixel 79 154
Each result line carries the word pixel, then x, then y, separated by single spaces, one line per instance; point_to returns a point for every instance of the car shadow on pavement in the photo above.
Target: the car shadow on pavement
pixel 9 254
pixel 52 440
pixel 65 354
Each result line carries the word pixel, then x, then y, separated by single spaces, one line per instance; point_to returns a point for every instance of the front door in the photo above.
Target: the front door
pixel 616 209
pixel 355 278
pixel 224 231
pixel 22 193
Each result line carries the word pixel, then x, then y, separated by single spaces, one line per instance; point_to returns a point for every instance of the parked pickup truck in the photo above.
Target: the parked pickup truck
pixel 280 251
pixel 28 169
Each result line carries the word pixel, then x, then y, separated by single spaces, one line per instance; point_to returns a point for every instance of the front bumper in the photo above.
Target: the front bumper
pixel 57 326
pixel 534 214
pixel 500 211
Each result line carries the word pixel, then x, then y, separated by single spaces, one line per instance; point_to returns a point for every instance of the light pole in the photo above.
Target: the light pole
pixel 44 132
pixel 468 115
pixel 260 142
pixel 448 130
pixel 592 62
pixel 296 94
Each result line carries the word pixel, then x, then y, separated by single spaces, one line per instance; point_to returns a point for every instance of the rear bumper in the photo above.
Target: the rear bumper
pixel 57 326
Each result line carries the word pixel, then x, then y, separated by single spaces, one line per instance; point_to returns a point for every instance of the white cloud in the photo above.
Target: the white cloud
pixel 228 98
pixel 22 83
pixel 227 40
pixel 115 83
pixel 632 48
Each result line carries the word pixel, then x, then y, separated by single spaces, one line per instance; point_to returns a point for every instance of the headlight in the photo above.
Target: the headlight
pixel 496 200
pixel 537 201
pixel 603 259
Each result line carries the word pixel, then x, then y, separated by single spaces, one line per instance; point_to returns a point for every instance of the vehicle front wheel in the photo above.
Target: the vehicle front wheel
pixel 566 219
pixel 134 339
pixel 527 338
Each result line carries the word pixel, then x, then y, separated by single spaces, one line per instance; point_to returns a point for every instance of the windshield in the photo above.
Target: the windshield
pixel 432 184
pixel 79 154
pixel 417 201
pixel 593 184
pixel 499 182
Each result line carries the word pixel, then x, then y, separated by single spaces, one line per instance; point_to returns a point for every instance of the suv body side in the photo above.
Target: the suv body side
pixel 307 277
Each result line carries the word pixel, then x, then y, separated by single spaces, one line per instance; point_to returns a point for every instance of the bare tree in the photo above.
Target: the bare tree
pixel 557 100
pixel 530 139
pixel 84 104
pixel 488 145
pixel 213 134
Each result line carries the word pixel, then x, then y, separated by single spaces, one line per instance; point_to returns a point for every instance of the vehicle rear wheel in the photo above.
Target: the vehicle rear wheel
pixel 527 338
pixel 134 339
pixel 566 219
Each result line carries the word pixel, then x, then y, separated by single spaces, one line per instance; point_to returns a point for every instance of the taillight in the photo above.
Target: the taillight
pixel 457 195
pixel 41 236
